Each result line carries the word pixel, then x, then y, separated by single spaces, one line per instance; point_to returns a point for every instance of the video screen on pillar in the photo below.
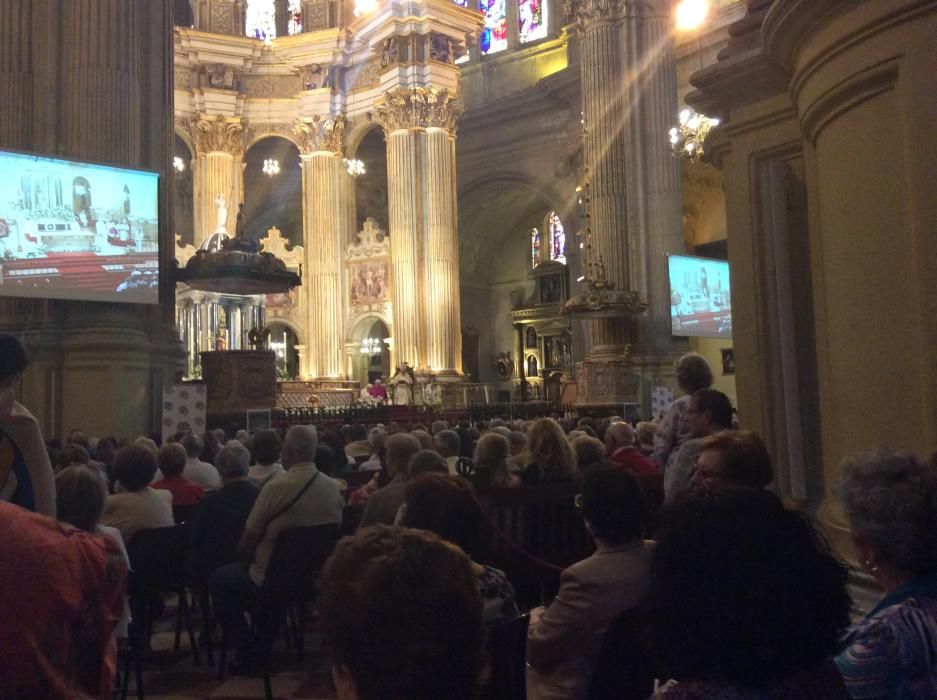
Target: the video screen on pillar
pixel 700 298
pixel 71 230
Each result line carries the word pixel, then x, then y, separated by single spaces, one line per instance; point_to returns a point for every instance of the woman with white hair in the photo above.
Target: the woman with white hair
pixel 891 502
pixel 693 374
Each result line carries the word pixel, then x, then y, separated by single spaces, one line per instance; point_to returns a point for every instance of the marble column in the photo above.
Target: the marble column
pixel 325 235
pixel 420 132
pixel 219 145
pixel 604 107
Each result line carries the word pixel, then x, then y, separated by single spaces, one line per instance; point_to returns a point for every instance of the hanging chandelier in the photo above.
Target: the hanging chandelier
pixel 178 164
pixel 271 167
pixel 688 139
pixel 355 167
pixel 371 346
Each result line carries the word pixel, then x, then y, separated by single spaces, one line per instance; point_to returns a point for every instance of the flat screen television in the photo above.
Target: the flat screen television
pixel 700 299
pixel 73 230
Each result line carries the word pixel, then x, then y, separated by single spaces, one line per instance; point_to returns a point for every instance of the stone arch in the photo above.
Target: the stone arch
pixel 267 132
pixel 186 138
pixel 289 323
pixel 358 133
pixel 359 366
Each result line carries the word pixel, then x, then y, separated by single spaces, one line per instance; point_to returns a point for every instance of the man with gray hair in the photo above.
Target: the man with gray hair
pixel 220 519
pixel 376 437
pixel 300 498
pixel 382 506
pixel 448 444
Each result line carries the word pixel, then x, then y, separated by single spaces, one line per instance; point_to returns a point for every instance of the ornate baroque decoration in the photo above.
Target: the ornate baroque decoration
pixel 182 78
pixel 601 299
pixel 217 134
pixel 372 242
pixel 317 134
pixel 272 85
pixel 589 11
pixel 277 246
pixel 367 74
pixel 418 108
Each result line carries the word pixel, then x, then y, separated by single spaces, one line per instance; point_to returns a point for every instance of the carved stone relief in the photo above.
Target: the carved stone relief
pixel 272 86
pixel 407 108
pixel 366 75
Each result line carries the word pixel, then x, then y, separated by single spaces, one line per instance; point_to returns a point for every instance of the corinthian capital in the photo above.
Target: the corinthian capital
pixel 217 134
pixel 589 11
pixel 418 108
pixel 318 134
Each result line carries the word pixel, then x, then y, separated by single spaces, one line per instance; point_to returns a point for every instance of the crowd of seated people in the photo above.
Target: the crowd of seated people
pixel 737 598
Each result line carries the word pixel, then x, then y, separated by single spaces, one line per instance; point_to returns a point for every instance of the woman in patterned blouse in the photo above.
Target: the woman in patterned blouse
pixel 891 501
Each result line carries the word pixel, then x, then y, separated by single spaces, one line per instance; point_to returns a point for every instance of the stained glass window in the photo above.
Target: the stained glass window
pixel 532 19
pixel 534 247
pixel 557 238
pixel 261 18
pixel 494 36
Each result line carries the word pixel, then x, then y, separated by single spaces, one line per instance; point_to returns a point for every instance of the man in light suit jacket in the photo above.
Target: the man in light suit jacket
pixel 565 639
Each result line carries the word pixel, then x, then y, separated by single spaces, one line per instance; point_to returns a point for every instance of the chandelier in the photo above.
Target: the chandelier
pixel 178 164
pixel 371 346
pixel 688 139
pixel 271 167
pixel 355 167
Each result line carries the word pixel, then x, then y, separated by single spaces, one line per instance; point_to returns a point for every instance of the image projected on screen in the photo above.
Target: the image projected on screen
pixel 72 230
pixel 700 303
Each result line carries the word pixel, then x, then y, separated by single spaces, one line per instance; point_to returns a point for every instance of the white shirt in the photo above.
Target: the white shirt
pixel 202 473
pixel 320 504
pixel 261 474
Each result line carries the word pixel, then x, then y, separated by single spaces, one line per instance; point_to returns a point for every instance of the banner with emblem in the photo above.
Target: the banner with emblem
pixel 183 409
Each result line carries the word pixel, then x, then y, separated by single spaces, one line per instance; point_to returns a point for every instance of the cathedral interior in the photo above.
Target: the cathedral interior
pixel 489 194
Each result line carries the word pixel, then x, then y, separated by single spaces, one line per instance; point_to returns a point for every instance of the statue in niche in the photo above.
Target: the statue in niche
pixel 440 49
pixel 390 54
pixel 313 77
pixel 221 77
pixel 532 369
pixel 531 337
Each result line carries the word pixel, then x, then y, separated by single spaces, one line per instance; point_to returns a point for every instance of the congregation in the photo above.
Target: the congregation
pixel 699 582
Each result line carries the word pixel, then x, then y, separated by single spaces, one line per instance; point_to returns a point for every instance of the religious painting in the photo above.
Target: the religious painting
pixel 281 300
pixel 728 361
pixel 368 283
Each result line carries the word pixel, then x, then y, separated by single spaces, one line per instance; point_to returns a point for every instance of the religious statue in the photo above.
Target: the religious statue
pixel 221 205
pixel 389 52
pixel 239 222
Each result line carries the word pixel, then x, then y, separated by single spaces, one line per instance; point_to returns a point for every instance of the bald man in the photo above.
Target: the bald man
pixel 619 446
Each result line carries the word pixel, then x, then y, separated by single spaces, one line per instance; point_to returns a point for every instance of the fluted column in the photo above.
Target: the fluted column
pixel 605 109
pixel 662 230
pixel 219 144
pixel 325 234
pixel 442 312
pixel 404 190
pixel 420 131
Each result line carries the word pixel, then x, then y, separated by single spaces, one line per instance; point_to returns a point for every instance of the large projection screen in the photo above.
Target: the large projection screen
pixel 700 299
pixel 71 230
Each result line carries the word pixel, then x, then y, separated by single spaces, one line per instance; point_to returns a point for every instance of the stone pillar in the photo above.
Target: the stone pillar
pixel 219 145
pixel 443 320
pixel 604 107
pixel 325 235
pixel 406 229
pixel 107 100
pixel 660 230
pixel 420 126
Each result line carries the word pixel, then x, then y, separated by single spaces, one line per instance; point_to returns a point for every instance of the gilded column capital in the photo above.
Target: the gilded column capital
pixel 418 108
pixel 217 134
pixel 318 134
pixel 587 12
